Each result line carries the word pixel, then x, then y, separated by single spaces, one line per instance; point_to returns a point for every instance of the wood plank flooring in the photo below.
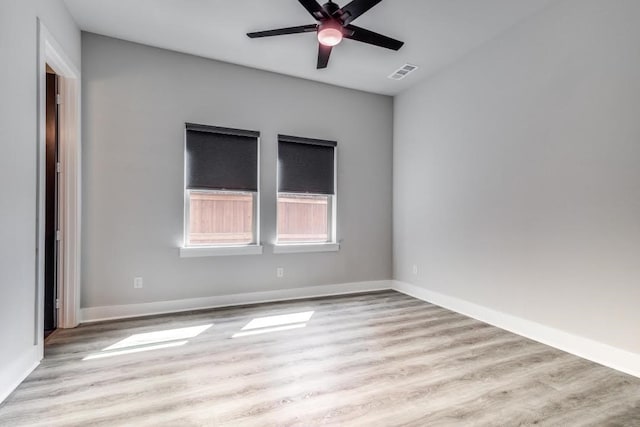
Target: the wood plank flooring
pixel 377 359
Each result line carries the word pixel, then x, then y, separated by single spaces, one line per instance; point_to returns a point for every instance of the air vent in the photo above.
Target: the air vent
pixel 403 72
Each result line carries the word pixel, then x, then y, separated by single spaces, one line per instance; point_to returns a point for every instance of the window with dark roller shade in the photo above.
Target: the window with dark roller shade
pixel 221 185
pixel 221 158
pixel 305 165
pixel 306 190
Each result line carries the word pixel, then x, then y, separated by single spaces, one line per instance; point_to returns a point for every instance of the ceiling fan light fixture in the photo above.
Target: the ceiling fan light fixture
pixel 329 36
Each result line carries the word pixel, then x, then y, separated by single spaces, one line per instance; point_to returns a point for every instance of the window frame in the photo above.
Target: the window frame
pixel 190 251
pixel 331 245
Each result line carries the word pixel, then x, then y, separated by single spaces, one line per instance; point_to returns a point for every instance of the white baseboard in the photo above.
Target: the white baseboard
pixel 604 354
pixel 12 374
pixel 95 314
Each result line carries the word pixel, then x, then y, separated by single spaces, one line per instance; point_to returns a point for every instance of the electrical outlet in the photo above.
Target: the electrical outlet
pixel 415 269
pixel 279 272
pixel 137 282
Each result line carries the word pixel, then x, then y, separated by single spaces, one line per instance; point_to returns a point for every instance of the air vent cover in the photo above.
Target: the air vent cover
pixel 403 72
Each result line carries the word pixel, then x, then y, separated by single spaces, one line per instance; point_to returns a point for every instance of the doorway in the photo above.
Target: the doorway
pixel 57 297
pixel 51 252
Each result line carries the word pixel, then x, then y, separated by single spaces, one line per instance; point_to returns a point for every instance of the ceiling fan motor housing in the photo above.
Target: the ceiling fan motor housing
pixel 330 8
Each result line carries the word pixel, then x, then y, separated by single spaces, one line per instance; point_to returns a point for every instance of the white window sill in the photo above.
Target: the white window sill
pixel 204 251
pixel 306 248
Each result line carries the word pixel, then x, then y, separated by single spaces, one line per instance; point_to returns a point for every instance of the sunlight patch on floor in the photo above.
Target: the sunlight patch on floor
pixel 282 322
pixel 147 341
pixel 134 350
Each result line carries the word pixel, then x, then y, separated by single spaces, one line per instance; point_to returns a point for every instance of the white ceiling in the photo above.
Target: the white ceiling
pixel 435 32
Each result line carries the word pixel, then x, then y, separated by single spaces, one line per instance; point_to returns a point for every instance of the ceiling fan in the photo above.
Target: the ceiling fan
pixel 334 24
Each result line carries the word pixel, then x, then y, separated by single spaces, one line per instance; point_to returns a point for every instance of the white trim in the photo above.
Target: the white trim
pixel 204 251
pixel 334 198
pixel 604 354
pixel 257 211
pixel 71 208
pixel 51 52
pixel 95 314
pixel 298 248
pixel 13 373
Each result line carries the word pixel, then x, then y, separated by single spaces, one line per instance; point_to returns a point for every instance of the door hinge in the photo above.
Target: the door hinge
pixel 57 302
pixel 58 99
pixel 58 235
pixel 58 167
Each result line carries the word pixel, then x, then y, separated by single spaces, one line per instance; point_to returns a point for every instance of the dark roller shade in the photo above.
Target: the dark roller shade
pixel 300 140
pixel 305 165
pixel 221 158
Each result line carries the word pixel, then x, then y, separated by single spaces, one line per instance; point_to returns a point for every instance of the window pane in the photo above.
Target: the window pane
pixel 219 218
pixel 303 218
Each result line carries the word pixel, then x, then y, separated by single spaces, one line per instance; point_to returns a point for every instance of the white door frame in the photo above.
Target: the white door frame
pixel 69 204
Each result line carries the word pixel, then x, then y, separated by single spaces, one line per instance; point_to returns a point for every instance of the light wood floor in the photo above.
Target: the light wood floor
pixel 379 359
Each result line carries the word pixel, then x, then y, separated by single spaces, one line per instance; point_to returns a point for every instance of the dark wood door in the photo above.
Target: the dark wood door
pixel 50 261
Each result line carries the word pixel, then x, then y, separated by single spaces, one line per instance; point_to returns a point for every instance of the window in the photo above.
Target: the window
pixel 220 217
pixel 306 190
pixel 221 186
pixel 303 218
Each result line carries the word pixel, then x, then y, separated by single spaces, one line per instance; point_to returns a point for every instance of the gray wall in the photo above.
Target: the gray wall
pixel 18 137
pixel 136 100
pixel 517 173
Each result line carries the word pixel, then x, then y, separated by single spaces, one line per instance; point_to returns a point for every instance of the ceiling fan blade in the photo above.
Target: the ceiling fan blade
pixel 283 31
pixel 314 9
pixel 323 55
pixel 366 36
pixel 354 9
